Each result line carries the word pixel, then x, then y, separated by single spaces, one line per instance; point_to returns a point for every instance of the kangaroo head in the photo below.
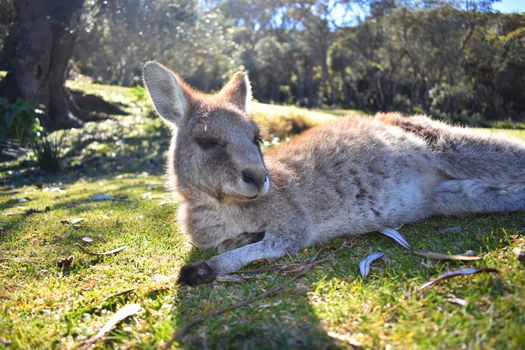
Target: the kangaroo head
pixel 215 148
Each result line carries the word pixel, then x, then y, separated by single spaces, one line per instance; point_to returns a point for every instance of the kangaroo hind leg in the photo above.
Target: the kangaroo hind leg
pixel 457 197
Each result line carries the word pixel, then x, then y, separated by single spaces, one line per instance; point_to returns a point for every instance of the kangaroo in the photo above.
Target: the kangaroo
pixel 349 177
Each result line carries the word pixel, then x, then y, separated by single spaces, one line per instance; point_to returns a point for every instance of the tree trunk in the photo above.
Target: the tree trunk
pixel 46 30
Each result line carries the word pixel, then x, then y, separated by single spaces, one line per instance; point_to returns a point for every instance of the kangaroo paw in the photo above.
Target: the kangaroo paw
pixel 196 273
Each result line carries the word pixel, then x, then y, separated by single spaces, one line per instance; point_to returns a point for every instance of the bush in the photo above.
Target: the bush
pixel 18 121
pixel 48 152
pixel 19 126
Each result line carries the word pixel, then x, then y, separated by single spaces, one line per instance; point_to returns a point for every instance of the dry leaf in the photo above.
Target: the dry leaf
pixel 75 221
pixel 455 273
pixel 364 265
pixel 109 252
pixel 396 236
pixel 455 300
pixel 123 313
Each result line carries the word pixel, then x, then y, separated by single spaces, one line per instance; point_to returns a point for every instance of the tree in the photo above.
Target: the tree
pixel 46 32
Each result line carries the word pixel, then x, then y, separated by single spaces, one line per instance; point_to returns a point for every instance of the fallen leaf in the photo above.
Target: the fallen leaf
pixel 364 265
pixel 67 262
pixel 109 252
pixel 120 315
pixel 396 236
pixel 455 300
pixel 73 221
pixel 455 273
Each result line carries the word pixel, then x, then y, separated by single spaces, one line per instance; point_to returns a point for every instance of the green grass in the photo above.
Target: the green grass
pixel 43 306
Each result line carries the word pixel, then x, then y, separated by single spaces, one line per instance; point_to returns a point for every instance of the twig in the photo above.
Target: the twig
pixel 439 256
pixel 455 273
pixel 109 252
pixel 126 291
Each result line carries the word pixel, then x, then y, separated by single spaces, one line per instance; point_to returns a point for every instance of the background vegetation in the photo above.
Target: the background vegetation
pixel 452 59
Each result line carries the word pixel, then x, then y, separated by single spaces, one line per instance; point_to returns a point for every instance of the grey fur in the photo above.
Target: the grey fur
pixel 352 176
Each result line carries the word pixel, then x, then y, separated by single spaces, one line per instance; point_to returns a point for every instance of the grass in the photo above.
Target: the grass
pixel 43 306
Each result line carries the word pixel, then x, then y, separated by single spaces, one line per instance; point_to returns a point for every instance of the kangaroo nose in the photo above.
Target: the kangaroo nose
pixel 254 176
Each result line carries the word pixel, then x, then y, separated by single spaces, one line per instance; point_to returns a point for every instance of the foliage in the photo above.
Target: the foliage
pixel 453 60
pixel 18 121
pixel 47 151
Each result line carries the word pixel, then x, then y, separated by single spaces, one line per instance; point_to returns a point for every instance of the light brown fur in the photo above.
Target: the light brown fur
pixel 352 176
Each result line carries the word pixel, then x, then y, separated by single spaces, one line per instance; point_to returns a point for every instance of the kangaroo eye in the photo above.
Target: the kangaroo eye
pixel 206 143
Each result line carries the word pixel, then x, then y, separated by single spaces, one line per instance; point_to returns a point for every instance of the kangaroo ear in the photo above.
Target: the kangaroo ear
pixel 238 90
pixel 166 92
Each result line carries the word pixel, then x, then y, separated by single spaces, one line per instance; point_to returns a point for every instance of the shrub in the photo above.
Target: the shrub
pixel 48 152
pixel 18 121
pixel 19 126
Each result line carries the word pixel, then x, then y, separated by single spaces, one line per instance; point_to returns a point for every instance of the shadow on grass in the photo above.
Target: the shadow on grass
pixel 290 321
pixel 283 321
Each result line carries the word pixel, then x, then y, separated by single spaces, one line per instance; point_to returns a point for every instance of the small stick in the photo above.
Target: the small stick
pixel 126 291
pixel 109 252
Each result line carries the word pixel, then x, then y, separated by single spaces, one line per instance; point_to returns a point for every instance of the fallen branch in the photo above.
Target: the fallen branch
pixel 109 252
pixel 439 256
pixel 455 273
pixel 398 237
